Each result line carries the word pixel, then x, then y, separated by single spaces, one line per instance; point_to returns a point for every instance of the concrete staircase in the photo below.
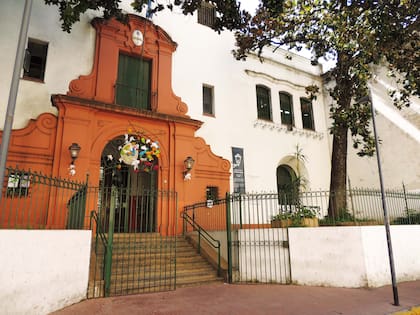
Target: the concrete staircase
pixel 149 262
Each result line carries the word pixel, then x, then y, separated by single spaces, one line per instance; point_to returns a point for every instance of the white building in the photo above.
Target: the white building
pixel 202 62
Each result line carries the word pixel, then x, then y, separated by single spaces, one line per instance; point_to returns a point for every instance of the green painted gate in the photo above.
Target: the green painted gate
pixel 133 251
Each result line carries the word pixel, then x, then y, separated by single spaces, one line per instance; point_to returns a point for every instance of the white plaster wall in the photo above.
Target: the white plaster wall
pixel 406 251
pixel 327 256
pixel 399 160
pixel 43 270
pixel 398 146
pixel 208 60
pixel 353 256
pixel 202 57
pixel 222 238
pixel 69 55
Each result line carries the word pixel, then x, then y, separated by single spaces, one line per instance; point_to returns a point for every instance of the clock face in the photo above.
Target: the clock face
pixel 137 37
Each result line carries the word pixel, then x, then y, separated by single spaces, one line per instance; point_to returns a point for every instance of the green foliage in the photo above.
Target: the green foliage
pixel 412 217
pixel 297 216
pixel 70 11
pixel 360 35
pixel 345 216
pixel 282 216
pixel 229 15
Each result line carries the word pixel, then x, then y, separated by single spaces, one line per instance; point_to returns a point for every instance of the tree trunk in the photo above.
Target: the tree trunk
pixel 337 203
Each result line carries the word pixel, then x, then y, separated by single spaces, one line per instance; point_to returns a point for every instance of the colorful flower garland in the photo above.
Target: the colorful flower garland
pixel 139 152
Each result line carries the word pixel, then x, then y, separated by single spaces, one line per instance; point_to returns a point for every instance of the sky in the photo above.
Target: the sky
pixel 249 5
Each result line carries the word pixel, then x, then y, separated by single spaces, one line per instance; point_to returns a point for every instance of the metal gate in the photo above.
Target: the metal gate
pixel 253 250
pixel 259 252
pixel 135 241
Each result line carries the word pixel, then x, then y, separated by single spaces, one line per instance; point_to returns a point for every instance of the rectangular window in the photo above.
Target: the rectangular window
pixel 206 14
pixel 286 109
pixel 208 107
pixel 18 185
pixel 132 88
pixel 35 60
pixel 263 103
pixel 212 193
pixel 307 114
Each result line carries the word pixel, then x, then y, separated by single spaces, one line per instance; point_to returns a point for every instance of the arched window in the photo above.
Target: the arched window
pixel 263 103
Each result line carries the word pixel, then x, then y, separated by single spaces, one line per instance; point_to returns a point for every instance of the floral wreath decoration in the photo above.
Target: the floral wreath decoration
pixel 139 152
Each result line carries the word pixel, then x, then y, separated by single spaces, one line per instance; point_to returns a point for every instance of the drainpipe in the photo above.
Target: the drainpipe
pixel 14 86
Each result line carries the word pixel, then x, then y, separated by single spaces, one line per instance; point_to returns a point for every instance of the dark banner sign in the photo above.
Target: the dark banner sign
pixel 238 170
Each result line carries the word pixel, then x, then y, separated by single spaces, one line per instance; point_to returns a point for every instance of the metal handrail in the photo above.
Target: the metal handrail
pixel 202 233
pixel 204 204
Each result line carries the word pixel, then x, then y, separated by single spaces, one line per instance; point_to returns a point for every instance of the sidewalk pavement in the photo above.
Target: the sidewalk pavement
pixel 264 299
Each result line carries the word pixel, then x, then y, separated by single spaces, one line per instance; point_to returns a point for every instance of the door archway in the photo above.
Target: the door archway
pixel 127 192
pixel 287 189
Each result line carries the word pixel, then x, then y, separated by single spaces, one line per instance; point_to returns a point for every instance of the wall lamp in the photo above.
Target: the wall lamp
pixel 188 165
pixel 74 150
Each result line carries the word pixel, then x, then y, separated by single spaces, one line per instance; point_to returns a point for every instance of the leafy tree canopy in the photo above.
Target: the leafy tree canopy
pixel 358 34
pixel 229 16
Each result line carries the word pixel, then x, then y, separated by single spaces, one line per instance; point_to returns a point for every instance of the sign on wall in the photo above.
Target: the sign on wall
pixel 238 170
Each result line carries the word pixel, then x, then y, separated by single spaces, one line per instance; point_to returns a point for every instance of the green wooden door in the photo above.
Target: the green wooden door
pixel 133 82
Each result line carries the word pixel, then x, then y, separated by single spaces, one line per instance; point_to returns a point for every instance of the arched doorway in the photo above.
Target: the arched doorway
pixel 287 185
pixel 128 195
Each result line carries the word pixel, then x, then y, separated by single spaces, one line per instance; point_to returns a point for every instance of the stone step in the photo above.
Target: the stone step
pixel 146 263
pixel 151 261
pixel 131 250
pixel 148 283
pixel 140 275
pixel 96 288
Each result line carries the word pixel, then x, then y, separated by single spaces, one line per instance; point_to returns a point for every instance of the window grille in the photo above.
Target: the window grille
pixel 212 193
pixel 263 103
pixel 208 100
pixel 206 14
pixel 307 114
pixel 286 109
pixel 35 59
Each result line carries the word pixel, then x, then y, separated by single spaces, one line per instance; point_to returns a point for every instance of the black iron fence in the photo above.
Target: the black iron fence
pixel 32 200
pixel 363 207
pixel 253 228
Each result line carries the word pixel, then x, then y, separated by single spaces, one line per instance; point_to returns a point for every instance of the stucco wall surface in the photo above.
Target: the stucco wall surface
pixel 42 271
pixel 353 256
pixel 406 249
pixel 234 123
pixel 327 256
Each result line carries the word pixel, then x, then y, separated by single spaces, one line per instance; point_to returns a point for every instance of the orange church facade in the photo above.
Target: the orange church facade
pixel 91 115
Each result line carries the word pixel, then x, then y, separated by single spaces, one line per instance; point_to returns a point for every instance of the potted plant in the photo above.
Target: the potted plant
pixel 303 216
pixel 281 220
